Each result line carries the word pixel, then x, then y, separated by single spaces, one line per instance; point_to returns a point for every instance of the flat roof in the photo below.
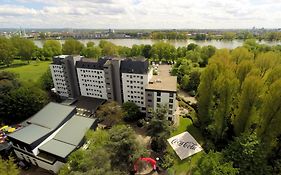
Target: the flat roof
pixel 51 115
pixel 30 133
pixel 162 83
pixel 69 137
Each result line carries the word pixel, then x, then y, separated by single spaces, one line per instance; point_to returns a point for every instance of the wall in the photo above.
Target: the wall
pixel 92 83
pixel 59 79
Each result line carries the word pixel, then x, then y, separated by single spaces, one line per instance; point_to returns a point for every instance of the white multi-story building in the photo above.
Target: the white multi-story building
pixel 59 79
pixel 116 79
pixel 135 75
pixel 91 78
pixel 64 75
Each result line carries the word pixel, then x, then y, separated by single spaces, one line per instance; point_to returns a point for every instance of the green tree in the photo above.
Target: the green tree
pixel 108 48
pixel 159 128
pixel 146 51
pixel 226 87
pixel 91 52
pixel 8 82
pixel 213 163
pixel 205 90
pixel 90 44
pixel 8 167
pixel 72 47
pixel 21 104
pixel 111 112
pixel 24 48
pixel 206 53
pixel 249 102
pixel 52 48
pixel 271 114
pixel 243 69
pixel 7 51
pixel 131 111
pixel 241 53
pixel 46 80
pixel 248 154
pixel 123 147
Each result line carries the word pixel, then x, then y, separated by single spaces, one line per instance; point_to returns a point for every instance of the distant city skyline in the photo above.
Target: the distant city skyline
pixel 140 14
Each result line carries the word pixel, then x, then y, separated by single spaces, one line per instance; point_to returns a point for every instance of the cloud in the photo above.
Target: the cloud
pixel 142 13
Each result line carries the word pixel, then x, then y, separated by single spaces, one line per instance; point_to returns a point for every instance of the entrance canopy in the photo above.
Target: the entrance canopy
pixel 184 145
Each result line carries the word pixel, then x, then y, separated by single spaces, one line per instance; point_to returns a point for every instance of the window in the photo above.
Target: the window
pixel 171 106
pixel 170 112
pixel 141 77
pixel 158 93
pixel 158 99
pixel 171 101
pixel 171 94
pixel 149 100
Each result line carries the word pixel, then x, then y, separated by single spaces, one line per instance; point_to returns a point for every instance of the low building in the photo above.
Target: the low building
pixel 50 136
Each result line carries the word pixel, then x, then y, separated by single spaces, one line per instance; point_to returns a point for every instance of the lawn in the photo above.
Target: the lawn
pixel 28 72
pixel 182 167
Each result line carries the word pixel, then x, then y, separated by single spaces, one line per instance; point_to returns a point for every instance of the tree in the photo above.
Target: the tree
pixel 7 51
pixel 146 51
pixel 159 129
pixel 24 48
pixel 21 103
pixel 123 147
pixel 266 61
pixel 8 82
pixel 205 91
pixel 247 154
pixel 72 47
pixel 243 69
pixel 241 53
pixel 271 114
pixel 47 81
pixel 91 52
pixel 206 53
pixel 226 86
pixel 8 167
pixel 52 48
pixel 108 48
pixel 249 102
pixel 213 163
pixel 110 112
pixel 131 111
pixel 90 44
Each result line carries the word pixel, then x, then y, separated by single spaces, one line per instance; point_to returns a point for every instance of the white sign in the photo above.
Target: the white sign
pixel 184 145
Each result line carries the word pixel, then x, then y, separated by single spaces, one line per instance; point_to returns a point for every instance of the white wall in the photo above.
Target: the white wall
pixel 59 80
pixel 165 100
pixel 48 166
pixel 134 88
pixel 92 83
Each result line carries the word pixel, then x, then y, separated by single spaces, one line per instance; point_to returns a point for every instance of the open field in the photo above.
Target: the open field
pixel 28 72
pixel 182 167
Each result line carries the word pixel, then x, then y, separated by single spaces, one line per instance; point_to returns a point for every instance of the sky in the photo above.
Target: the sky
pixel 140 14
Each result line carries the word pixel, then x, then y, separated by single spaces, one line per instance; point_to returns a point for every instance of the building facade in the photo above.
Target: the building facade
pixel 117 79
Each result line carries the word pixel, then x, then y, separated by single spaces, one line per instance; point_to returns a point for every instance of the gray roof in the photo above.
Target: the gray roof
pixel 30 133
pixel 91 64
pixel 43 123
pixel 69 137
pixel 51 115
pixel 58 148
pixel 74 130
pixel 139 66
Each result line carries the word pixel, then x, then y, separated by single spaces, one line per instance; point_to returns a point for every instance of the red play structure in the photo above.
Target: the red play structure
pixel 148 160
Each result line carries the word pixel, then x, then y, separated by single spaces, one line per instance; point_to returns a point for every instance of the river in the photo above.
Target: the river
pixel 177 43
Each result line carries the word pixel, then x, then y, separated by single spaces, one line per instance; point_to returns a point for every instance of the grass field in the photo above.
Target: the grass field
pixel 28 72
pixel 182 167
